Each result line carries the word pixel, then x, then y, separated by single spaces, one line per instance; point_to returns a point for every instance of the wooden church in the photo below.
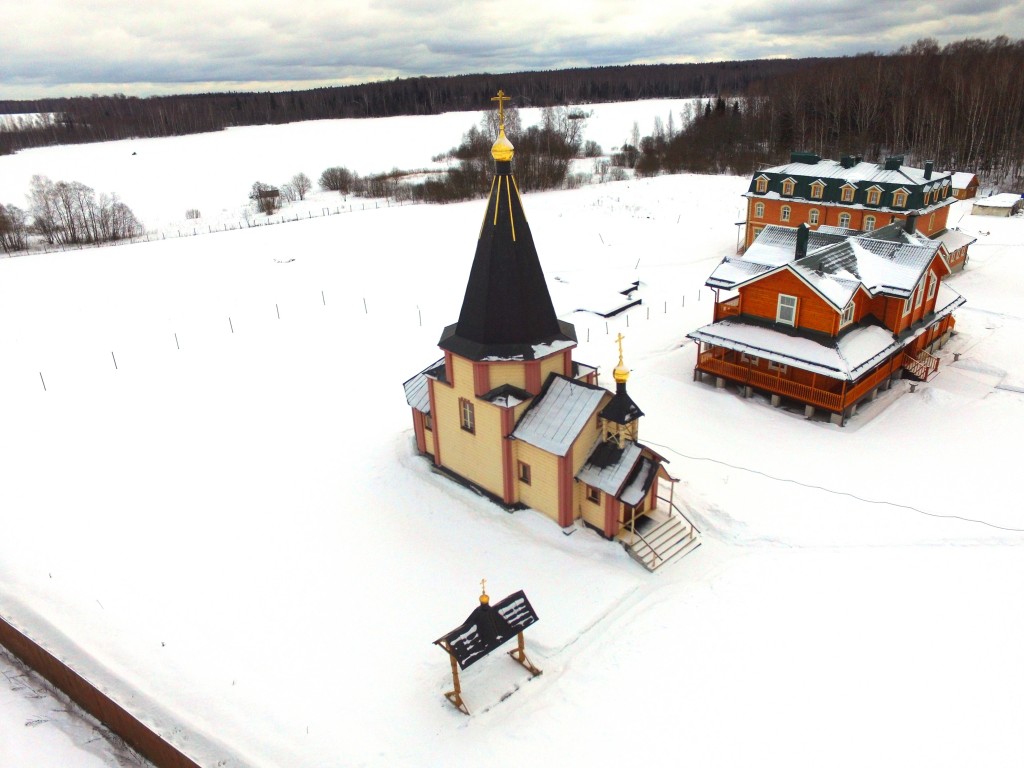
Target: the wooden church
pixel 509 412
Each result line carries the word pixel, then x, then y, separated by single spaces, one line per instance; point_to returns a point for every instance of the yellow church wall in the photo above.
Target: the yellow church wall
pixel 542 492
pixel 551 364
pixel 513 373
pixel 476 455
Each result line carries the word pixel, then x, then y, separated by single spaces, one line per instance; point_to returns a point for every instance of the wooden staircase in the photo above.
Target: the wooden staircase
pixel 665 536
pixel 920 366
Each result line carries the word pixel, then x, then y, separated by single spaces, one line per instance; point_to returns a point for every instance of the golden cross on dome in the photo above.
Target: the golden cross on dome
pixel 618 340
pixel 501 98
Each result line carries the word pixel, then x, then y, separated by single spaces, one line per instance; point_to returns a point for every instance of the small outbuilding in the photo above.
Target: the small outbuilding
pixel 1004 204
pixel 965 185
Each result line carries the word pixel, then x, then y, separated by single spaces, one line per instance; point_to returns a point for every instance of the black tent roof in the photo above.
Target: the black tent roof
pixel 507 310
pixel 621 409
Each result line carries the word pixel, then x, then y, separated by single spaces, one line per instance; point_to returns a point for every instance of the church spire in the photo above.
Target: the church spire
pixel 507 311
pixel 621 414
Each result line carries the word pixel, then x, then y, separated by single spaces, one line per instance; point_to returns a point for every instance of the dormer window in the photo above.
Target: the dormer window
pixel 761 184
pixel 847 317
pixel 817 190
pixel 786 311
pixel 899 198
pixel 874 195
pixel 788 186
pixel 846 193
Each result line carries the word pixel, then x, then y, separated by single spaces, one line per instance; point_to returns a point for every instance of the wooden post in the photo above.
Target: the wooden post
pixel 455 696
pixel 519 655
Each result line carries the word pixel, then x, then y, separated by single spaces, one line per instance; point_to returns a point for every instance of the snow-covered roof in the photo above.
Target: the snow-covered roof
pixel 962 179
pixel 558 415
pixel 608 466
pixel 859 172
pixel 954 239
pixel 417 393
pixel 1002 200
pixel 633 493
pixel 846 358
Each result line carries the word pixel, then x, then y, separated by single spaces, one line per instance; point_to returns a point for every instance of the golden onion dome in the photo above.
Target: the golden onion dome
pixel 502 149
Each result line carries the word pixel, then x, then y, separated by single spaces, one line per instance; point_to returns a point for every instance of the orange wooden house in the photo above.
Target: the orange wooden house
pixel 508 412
pixel 827 318
pixel 847 193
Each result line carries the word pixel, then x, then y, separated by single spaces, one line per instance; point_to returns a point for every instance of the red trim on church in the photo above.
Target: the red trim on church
pixel 508 477
pixel 433 413
pixel 565 489
pixel 481 378
pixel 611 515
pixel 533 377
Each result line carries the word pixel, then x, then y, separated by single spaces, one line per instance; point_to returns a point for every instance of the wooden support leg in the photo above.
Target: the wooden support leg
pixel 455 696
pixel 519 655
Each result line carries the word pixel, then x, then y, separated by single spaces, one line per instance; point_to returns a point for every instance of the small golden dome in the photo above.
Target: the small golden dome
pixel 484 600
pixel 502 149
pixel 621 373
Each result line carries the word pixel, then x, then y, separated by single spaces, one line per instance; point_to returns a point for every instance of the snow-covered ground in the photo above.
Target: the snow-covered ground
pixel 230 531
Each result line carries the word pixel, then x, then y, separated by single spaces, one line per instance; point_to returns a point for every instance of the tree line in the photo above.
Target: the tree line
pixel 106 118
pixel 961 105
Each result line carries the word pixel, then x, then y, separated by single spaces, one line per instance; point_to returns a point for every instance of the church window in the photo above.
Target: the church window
pixel 428 421
pixel 524 472
pixel 467 415
pixel 593 495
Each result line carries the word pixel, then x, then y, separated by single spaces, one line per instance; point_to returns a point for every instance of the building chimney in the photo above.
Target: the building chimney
pixel 911 223
pixel 929 166
pixel 802 234
pixel 893 163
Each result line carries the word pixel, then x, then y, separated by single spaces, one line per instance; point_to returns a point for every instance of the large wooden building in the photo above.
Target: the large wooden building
pixel 847 193
pixel 826 317
pixel 508 411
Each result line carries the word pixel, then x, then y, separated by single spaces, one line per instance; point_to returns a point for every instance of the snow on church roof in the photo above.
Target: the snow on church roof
pixel 556 418
pixel 417 393
pixel 608 476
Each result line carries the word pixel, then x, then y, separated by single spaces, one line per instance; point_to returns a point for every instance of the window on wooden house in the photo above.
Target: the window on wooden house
pixel 907 304
pixel 874 195
pixel 813 216
pixel 817 190
pixel 788 186
pixel 899 198
pixel 847 317
pixel 749 359
pixel 759 211
pixel 524 472
pixel 786 311
pixel 428 421
pixel 932 284
pixel 847 193
pixel 928 196
pixel 761 185
pixel 931 222
pixel 467 415
pixel 869 223
pixel 779 367
pixel 919 294
pixel 593 495
pixel 844 220
pixel 784 213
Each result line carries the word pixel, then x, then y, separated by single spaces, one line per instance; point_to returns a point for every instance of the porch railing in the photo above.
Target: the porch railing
pixel 727 308
pixel 921 365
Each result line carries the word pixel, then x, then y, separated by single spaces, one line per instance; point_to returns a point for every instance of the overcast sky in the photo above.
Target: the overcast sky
pixel 146 47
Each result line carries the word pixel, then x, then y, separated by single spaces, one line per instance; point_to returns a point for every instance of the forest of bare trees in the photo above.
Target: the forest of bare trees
pixel 961 105
pixel 105 118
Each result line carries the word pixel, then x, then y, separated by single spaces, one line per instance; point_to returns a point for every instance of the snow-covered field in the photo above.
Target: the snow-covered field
pixel 230 531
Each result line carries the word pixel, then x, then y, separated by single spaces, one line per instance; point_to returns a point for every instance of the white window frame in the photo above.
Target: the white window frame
pixel 844 220
pixel 847 316
pixel 788 187
pixel 759 211
pixel 874 196
pixel 899 199
pixel 784 308
pixel 751 359
pixel 907 304
pixel 847 193
pixel 813 216
pixel 773 366
pixel 817 190
pixel 933 283
pixel 467 415
pixel 869 223
pixel 785 213
pixel 918 294
pixel 761 185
